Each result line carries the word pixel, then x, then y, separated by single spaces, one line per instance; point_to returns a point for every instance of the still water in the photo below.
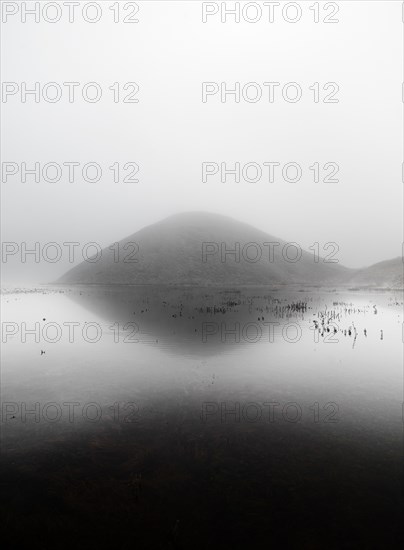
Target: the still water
pixel 203 417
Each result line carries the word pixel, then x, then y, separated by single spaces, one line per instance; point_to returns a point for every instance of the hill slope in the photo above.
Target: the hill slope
pixel 389 274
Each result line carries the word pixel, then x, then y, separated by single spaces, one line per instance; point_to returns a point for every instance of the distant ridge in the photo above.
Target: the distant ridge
pixel 170 252
pixel 389 274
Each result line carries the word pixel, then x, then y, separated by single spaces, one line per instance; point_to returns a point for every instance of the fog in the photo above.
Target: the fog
pixel 170 132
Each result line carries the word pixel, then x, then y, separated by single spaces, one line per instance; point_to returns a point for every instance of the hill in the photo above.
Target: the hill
pixel 195 248
pixel 388 274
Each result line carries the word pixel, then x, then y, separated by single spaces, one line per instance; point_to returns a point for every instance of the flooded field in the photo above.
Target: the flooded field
pixel 199 418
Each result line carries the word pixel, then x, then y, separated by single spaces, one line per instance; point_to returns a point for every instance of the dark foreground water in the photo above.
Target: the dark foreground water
pixel 201 418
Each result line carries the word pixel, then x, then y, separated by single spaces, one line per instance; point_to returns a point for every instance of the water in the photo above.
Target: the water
pixel 226 410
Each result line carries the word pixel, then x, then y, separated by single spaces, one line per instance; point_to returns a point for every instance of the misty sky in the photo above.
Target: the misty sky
pixel 171 132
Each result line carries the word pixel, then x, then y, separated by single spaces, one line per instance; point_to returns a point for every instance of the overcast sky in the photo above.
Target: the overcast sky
pixel 170 132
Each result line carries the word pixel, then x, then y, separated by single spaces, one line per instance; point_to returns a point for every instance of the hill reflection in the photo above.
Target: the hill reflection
pixel 193 321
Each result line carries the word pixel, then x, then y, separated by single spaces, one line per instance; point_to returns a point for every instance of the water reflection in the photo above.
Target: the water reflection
pixel 168 445
pixel 186 321
pixel 212 321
